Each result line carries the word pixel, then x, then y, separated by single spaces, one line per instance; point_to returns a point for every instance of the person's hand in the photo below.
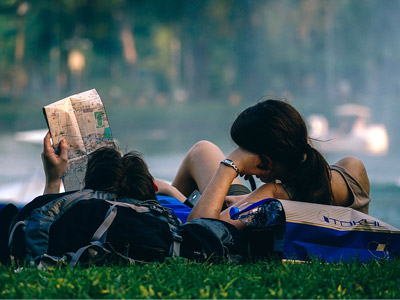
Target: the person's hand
pixel 249 163
pixel 54 165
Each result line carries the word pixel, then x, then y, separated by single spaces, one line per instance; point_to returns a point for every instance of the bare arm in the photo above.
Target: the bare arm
pixel 54 165
pixel 169 190
pixel 210 204
pixel 342 194
pixel 267 190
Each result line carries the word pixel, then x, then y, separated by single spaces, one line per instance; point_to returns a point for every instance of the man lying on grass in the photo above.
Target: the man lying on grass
pixel 129 176
pixel 61 224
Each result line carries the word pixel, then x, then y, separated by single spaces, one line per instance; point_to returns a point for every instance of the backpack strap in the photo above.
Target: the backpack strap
pixel 39 222
pixel 173 222
pixel 101 232
pixel 177 240
pixel 101 252
pixel 20 223
pixel 99 237
pixel 77 255
pixel 138 208
pixel 45 261
pixel 156 208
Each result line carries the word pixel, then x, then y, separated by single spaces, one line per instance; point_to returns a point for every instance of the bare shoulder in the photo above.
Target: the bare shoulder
pixel 356 168
pixel 353 165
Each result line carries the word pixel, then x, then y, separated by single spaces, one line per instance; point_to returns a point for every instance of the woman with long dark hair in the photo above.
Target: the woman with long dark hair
pixel 273 144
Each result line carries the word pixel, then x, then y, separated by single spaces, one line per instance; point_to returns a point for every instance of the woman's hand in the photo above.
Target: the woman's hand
pixel 54 165
pixel 249 163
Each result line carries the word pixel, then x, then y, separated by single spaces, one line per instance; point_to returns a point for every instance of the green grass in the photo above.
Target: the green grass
pixel 182 279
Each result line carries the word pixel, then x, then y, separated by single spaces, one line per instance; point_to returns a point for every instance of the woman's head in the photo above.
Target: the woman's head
pixel 127 176
pixel 276 131
pixel 273 128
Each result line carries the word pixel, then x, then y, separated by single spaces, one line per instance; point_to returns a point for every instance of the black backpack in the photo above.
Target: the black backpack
pixel 7 214
pixel 91 226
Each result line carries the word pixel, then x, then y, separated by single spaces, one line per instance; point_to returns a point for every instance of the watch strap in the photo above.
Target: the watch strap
pixel 229 163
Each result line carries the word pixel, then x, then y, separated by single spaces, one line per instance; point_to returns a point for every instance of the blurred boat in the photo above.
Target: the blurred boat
pixel 355 133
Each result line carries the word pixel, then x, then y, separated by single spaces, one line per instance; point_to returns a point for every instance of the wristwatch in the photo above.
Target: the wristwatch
pixel 230 163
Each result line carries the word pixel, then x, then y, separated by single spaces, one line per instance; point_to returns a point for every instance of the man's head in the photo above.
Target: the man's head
pixel 127 176
pixel 137 182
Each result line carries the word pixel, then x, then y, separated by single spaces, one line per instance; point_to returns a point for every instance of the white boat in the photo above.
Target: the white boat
pixel 355 133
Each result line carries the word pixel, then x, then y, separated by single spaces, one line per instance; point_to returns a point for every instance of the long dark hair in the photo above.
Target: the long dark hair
pixel 127 176
pixel 276 129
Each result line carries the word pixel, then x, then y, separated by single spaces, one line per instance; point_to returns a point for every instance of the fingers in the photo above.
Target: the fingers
pixel 48 150
pixel 64 150
pixel 46 142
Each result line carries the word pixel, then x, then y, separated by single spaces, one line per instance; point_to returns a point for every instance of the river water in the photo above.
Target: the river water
pixel 22 177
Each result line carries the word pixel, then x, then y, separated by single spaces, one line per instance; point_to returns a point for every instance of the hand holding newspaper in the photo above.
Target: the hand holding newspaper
pixel 82 121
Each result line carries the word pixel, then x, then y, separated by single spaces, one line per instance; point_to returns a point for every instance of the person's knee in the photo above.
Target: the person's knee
pixel 204 148
pixel 204 156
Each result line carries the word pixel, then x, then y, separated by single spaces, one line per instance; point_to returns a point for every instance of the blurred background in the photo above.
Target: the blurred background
pixel 172 72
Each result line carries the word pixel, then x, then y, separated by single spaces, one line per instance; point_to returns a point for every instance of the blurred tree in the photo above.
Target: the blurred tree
pixel 325 51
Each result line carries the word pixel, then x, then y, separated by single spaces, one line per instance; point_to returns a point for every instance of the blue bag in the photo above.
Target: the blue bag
pixel 334 233
pixel 181 210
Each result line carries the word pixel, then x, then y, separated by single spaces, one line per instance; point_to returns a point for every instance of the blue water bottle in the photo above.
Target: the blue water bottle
pixel 265 228
pixel 262 213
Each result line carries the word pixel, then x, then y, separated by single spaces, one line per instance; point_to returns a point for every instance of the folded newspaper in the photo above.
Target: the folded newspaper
pixel 82 121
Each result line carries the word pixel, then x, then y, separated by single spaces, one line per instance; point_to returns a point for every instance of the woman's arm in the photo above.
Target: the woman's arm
pixel 267 190
pixel 210 203
pixel 355 167
pixel 54 165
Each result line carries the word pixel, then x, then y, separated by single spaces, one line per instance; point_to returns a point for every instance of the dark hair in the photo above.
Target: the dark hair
pixel 137 179
pixel 104 170
pixel 127 176
pixel 276 129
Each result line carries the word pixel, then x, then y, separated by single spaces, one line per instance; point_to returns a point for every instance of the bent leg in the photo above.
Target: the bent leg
pixel 198 167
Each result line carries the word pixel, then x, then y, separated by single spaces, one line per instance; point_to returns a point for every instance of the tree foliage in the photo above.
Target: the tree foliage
pixel 325 51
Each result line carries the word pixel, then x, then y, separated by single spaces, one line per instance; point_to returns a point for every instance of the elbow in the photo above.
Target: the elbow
pixel 198 213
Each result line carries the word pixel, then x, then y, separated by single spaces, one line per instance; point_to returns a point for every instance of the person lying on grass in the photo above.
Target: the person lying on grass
pixel 274 146
pixel 107 171
pixel 128 175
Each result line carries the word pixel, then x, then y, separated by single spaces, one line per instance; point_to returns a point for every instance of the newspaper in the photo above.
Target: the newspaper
pixel 82 121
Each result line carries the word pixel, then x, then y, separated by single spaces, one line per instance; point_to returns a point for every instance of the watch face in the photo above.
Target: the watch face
pixel 227 162
pixel 230 163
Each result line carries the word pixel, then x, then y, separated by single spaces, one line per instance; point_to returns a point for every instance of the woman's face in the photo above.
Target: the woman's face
pixel 275 170
pixel 266 179
pixel 267 165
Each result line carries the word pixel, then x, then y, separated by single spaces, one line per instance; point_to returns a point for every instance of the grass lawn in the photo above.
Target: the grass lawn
pixel 183 279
